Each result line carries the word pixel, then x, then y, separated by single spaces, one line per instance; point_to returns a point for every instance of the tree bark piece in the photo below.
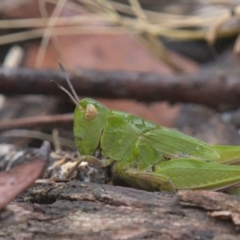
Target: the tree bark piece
pixel 76 210
pixel 221 205
pixel 217 89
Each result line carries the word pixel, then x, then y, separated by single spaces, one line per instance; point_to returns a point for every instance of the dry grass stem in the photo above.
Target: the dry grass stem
pixel 109 17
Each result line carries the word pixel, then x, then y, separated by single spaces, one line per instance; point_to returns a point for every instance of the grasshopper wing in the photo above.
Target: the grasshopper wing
pixel 228 154
pixel 173 144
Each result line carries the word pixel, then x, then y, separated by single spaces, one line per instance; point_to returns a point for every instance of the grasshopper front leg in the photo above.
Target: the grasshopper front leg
pixel 90 159
pixel 183 173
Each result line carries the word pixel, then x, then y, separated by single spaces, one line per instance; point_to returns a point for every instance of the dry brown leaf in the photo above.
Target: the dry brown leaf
pixel 16 180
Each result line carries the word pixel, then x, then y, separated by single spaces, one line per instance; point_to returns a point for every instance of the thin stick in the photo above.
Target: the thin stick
pixel 38 121
pixel 37 135
pixel 49 30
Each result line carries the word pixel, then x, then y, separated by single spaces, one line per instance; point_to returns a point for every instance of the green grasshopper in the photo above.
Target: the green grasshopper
pixel 146 155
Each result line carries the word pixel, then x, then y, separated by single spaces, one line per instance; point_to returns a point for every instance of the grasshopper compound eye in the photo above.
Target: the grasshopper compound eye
pixel 91 112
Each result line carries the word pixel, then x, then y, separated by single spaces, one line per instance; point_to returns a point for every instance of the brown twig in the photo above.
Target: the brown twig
pixel 23 133
pixel 39 121
pixel 220 91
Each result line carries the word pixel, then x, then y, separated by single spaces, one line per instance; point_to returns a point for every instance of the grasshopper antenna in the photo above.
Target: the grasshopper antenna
pixel 67 92
pixel 72 95
pixel 69 83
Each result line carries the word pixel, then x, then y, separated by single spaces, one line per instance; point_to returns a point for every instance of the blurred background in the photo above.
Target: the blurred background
pixel 169 39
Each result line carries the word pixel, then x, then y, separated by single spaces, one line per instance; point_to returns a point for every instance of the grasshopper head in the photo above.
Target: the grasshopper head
pixel 90 118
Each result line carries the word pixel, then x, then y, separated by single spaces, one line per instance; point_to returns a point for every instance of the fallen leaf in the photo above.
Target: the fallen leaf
pixel 18 179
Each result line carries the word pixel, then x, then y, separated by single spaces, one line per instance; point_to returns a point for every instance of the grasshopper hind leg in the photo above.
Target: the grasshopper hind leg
pixel 149 181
